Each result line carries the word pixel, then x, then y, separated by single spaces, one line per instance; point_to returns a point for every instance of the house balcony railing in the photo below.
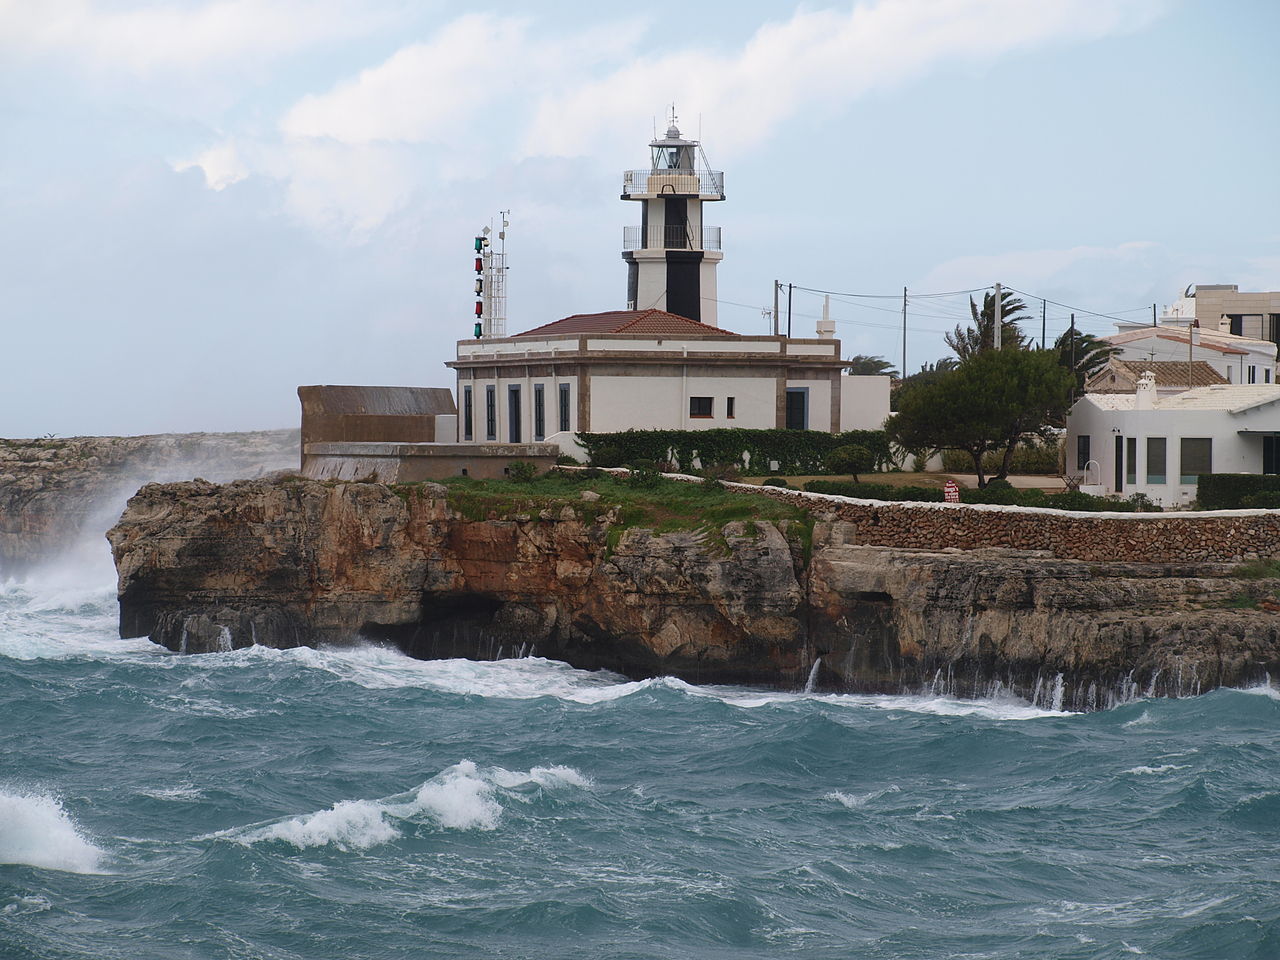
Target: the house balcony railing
pixel 670 238
pixel 673 183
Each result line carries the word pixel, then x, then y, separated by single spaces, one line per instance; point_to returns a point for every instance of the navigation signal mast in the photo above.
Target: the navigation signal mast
pixel 491 282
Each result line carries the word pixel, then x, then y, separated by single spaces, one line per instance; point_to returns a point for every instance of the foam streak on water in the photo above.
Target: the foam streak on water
pixel 353 802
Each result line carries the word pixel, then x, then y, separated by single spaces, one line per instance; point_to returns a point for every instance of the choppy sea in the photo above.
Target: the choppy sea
pixel 354 803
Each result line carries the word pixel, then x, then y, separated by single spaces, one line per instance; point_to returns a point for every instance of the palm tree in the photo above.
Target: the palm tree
pixel 967 341
pixel 1084 353
pixel 862 365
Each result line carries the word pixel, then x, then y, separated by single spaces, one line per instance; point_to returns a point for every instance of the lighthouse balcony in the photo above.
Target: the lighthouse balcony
pixel 670 238
pixel 641 184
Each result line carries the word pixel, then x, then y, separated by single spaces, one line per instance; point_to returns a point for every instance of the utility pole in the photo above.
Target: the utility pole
pixel 998 314
pixel 776 285
pixel 903 372
pixel 1042 324
pixel 790 287
pixel 1073 358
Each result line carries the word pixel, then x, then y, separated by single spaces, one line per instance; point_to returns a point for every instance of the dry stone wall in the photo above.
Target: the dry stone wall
pixel 1224 536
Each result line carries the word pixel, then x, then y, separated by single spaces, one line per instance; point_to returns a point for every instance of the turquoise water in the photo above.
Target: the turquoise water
pixel 357 804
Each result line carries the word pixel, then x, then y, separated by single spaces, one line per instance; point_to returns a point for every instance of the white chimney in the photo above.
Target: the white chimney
pixel 826 326
pixel 1145 397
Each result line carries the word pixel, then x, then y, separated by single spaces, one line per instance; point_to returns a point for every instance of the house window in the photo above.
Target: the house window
pixel 797 408
pixel 1131 461
pixel 491 412
pixel 564 407
pixel 1197 458
pixel 1229 377
pixel 1253 374
pixel 1266 376
pixel 513 413
pixel 1156 455
pixel 1082 451
pixel 728 407
pixel 1271 454
pixel 467 414
pixel 539 413
pixel 699 406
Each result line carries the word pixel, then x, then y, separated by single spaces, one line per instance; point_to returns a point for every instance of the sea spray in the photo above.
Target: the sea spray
pixel 37 831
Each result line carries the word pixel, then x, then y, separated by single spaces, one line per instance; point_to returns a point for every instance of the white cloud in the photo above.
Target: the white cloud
pixel 220 164
pixel 1034 268
pixel 493 88
pixel 147 37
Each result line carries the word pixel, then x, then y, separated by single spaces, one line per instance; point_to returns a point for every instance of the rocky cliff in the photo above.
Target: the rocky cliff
pixel 55 492
pixel 206 567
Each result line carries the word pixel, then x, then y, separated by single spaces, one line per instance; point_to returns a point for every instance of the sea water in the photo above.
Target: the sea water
pixel 354 803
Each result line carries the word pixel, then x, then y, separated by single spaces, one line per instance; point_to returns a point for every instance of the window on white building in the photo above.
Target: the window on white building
pixel 700 406
pixel 1253 374
pixel 539 413
pixel 1197 458
pixel 468 414
pixel 513 413
pixel 728 407
pixel 1157 453
pixel 491 412
pixel 1131 460
pixel 1082 451
pixel 564 407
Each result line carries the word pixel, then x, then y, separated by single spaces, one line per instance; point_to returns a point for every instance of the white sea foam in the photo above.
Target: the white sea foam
pixel 1157 770
pixel 1144 719
pixel 853 801
pixel 461 797
pixel 35 830
pixel 23 905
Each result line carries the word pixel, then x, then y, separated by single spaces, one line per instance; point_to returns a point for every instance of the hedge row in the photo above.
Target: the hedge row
pixel 1233 491
pixel 1037 458
pixel 795 451
pixel 1009 496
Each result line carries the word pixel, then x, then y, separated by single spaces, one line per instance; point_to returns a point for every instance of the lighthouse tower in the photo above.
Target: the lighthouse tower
pixel 671 257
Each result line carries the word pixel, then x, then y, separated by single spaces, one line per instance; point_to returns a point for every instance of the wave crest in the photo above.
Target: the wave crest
pixel 461 797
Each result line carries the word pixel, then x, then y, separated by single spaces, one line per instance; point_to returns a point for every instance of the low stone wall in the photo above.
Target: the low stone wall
pixel 1221 536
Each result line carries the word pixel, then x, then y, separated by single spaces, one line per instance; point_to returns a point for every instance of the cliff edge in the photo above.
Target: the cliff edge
pixel 582 578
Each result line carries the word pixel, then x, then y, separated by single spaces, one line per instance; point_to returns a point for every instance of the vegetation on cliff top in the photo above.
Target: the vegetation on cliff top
pixel 659 504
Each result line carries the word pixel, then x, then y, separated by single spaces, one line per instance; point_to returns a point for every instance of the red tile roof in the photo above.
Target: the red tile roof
pixel 652 322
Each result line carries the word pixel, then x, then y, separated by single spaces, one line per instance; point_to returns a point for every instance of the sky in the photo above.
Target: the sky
pixel 205 204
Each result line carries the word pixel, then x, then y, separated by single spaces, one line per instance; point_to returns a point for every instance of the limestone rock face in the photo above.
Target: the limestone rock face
pixel 285 562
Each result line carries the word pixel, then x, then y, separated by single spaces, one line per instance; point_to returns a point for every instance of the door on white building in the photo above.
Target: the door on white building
pixel 1271 454
pixel 1119 464
pixel 797 408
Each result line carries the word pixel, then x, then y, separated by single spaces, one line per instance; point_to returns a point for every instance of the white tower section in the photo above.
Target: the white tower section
pixel 671 257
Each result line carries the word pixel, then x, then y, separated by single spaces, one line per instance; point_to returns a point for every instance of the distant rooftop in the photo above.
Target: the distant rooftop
pixel 1231 398
pixel 651 322
pixel 1121 376
pixel 1227 343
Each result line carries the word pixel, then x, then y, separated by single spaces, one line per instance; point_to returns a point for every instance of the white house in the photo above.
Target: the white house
pixel 1144 443
pixel 626 369
pixel 1238 359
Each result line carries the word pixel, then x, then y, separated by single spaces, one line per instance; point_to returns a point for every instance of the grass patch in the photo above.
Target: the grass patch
pixel 665 507
pixel 1258 570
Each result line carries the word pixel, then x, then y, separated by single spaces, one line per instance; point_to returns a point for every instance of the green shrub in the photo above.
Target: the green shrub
pixel 644 478
pixel 852 458
pixel 776 482
pixel 1037 458
pixel 606 455
pixel 1227 491
pixel 996 491
pixel 1143 504
pixel 564 460
pixel 521 471
pixel 1267 499
pixel 999 483
pixel 1259 570
pixel 795 451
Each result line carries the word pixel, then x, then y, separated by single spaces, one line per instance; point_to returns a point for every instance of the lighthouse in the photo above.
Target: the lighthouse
pixel 672 255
